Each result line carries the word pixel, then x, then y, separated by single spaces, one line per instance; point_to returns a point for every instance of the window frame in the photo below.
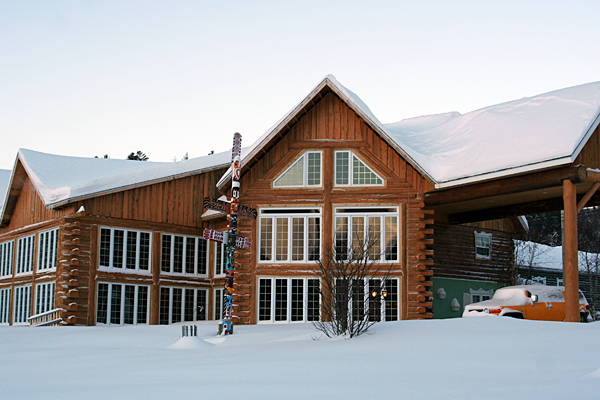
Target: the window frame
pixel 22 304
pixel 351 183
pixel 305 171
pixel 487 236
pixel 123 268
pixel 220 260
pixel 382 315
pixel 5 302
pixel 218 303
pixel 194 305
pixel 25 255
pixel 44 297
pixel 47 258
pixel 108 320
pixel 289 299
pixel 366 212
pixel 6 258
pixel 198 262
pixel 289 213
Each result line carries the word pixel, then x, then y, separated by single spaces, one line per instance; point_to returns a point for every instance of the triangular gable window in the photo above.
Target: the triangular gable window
pixel 306 171
pixel 352 171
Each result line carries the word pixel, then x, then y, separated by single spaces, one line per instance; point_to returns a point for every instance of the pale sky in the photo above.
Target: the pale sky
pixel 88 78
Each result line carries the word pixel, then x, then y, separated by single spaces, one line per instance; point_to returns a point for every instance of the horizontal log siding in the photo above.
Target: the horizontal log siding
pixel 174 202
pixel 504 225
pixel 455 255
pixel 331 119
pixel 30 210
pixel 590 154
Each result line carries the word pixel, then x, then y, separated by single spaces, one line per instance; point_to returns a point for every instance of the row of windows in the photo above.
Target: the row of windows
pixel 357 293
pixel 46 253
pixel 43 302
pixel 350 170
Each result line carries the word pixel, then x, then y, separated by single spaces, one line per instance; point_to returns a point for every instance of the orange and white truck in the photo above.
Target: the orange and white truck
pixel 538 302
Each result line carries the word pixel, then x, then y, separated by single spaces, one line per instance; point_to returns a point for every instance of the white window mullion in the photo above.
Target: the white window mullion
pixel 138 236
pixel 122 313
pixel 112 248
pixel 170 305
pixel 135 303
pixel 109 304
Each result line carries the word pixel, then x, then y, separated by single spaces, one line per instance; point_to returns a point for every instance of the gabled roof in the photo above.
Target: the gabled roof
pixel 329 83
pixel 60 180
pixel 451 149
pixel 4 182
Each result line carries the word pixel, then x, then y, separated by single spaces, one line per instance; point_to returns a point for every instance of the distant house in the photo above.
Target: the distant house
pixel 101 241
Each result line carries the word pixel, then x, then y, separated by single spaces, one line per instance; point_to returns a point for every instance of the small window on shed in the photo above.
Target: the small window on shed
pixel 483 245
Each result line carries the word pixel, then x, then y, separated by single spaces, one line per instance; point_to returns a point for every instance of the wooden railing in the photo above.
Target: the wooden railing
pixel 48 318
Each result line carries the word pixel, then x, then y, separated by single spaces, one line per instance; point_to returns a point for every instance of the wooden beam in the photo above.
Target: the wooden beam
pixel 570 262
pixel 326 143
pixel 593 175
pixel 588 196
pixel 489 214
pixel 523 183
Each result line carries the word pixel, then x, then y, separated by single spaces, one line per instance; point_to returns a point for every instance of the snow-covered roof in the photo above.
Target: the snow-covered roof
pixel 4 182
pixel 452 149
pixel 61 179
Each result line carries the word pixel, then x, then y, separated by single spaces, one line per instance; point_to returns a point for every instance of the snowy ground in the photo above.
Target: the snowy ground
pixel 484 358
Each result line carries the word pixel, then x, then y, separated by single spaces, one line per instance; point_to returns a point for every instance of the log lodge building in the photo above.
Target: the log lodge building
pixel 102 241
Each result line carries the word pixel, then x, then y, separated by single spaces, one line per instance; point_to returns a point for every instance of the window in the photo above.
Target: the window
pixel 483 245
pixel 358 293
pixel 376 228
pixel 182 304
pixel 475 296
pixel 306 171
pixel 186 255
pixel 6 258
pixel 22 303
pixel 121 304
pixel 290 235
pixel 25 254
pixel 124 250
pixel 288 300
pixel 351 171
pixel 4 305
pixel 47 249
pixel 220 258
pixel 219 304
pixel 44 297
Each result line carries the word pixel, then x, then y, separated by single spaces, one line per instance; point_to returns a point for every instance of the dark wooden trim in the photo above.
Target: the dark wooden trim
pixel 522 183
pixel 328 143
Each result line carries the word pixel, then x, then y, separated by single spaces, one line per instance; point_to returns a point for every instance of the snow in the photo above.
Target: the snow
pixel 4 182
pixel 491 358
pixel 513 137
pixel 532 130
pixel 61 178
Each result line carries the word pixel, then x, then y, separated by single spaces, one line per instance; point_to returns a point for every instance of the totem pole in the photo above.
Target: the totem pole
pixel 236 152
pixel 230 238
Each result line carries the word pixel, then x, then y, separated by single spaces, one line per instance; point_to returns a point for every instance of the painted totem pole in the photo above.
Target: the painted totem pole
pixel 236 152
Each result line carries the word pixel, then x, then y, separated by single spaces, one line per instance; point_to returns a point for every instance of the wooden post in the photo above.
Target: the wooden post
pixel 571 262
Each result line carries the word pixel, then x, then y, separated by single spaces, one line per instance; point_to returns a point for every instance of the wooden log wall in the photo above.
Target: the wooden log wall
pixel 75 282
pixel 328 126
pixel 30 210
pixel 175 202
pixel 455 254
